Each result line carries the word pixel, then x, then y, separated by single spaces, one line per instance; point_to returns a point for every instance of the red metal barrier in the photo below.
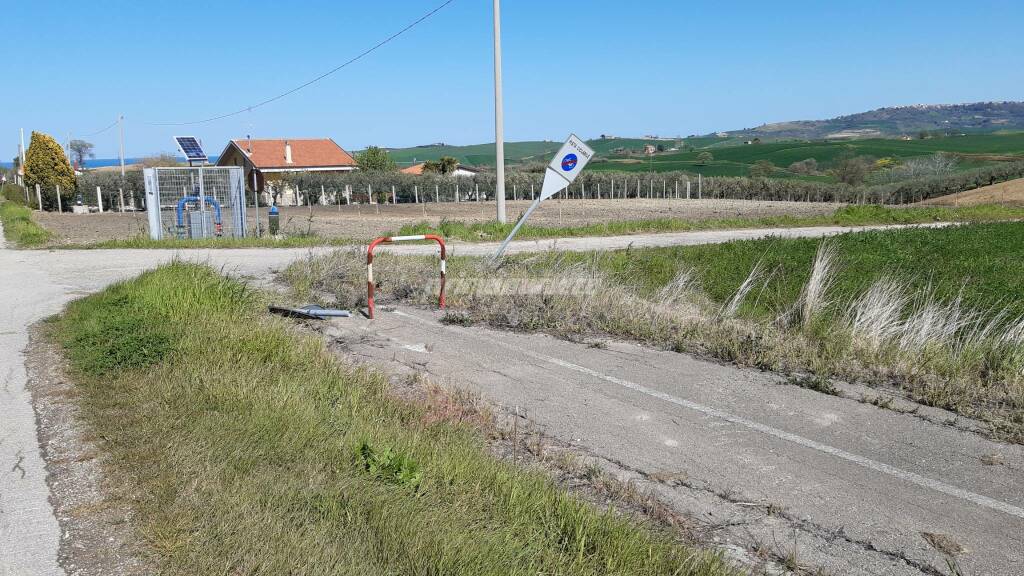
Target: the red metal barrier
pixel 389 240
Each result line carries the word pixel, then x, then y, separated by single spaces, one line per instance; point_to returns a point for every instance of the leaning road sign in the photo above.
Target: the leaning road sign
pixel 567 164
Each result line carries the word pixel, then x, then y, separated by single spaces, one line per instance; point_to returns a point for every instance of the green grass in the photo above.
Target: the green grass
pixel 945 325
pixel 732 156
pixel 735 159
pixel 847 216
pixel 296 241
pixel 246 448
pixel 19 228
pixel 981 262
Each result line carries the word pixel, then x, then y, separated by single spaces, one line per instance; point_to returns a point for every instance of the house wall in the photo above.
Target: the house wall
pixel 268 183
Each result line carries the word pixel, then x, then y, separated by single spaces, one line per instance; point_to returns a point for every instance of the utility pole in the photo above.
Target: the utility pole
pixel 22 167
pixel 499 116
pixel 120 129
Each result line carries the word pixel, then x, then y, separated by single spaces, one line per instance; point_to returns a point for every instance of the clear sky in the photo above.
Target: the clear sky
pixel 599 66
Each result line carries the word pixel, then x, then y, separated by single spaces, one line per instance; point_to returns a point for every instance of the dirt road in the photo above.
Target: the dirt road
pixel 363 222
pixel 856 484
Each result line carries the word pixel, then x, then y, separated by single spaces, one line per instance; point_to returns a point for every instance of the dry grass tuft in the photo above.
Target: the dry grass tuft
pixel 940 352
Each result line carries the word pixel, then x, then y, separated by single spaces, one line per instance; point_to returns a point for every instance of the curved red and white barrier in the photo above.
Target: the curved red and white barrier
pixel 392 239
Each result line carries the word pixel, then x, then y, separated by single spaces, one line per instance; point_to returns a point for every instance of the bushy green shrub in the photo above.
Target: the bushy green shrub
pixel 47 166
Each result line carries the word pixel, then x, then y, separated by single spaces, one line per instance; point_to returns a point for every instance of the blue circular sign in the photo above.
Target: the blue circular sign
pixel 569 162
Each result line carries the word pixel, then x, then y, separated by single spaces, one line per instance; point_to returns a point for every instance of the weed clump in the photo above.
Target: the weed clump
pixel 389 466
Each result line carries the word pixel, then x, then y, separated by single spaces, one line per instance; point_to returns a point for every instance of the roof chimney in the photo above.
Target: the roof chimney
pixel 287 152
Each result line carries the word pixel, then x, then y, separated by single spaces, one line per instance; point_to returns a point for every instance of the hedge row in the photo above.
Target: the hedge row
pixel 330 188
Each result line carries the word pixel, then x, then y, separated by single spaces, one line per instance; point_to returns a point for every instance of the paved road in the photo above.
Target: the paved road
pixel 851 486
pixel 847 466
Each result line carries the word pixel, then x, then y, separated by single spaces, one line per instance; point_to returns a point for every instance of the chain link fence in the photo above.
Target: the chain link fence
pixel 195 202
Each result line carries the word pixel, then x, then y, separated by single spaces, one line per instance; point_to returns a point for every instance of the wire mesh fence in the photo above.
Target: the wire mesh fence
pixel 195 202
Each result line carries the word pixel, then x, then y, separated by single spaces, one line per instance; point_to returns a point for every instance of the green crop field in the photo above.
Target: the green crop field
pixel 731 156
pixel 517 152
pixel 736 159
pixel 476 154
pixel 978 263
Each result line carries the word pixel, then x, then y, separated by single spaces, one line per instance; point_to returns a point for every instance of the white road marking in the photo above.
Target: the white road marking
pixel 868 463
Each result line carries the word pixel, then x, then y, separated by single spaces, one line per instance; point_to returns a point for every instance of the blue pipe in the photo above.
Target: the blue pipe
pixel 209 200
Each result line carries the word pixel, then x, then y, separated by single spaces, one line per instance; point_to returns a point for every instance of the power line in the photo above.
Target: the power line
pixel 100 131
pixel 353 60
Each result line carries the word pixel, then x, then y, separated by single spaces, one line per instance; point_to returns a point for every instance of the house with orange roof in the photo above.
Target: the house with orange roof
pixel 266 161
pixel 460 170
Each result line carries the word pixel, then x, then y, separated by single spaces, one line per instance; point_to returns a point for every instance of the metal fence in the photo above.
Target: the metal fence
pixel 195 202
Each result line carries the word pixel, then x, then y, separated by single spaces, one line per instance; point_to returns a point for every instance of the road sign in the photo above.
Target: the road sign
pixel 567 164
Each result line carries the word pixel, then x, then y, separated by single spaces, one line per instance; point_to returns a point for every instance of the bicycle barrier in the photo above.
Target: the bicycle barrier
pixel 390 240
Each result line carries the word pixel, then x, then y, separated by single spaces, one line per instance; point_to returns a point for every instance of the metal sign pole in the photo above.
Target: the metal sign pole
pixel 515 229
pixel 561 171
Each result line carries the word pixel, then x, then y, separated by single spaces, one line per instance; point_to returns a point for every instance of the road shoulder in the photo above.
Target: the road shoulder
pixel 94 518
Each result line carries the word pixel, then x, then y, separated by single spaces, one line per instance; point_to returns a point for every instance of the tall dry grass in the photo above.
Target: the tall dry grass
pixel 939 352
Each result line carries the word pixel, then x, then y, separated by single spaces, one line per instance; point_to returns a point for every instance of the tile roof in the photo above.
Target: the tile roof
pixel 416 169
pixel 306 153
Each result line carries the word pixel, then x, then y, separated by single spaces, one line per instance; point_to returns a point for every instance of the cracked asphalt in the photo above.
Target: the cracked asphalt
pixel 846 485
pixel 843 485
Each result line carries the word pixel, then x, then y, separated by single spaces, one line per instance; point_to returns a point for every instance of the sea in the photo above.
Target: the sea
pixel 101 162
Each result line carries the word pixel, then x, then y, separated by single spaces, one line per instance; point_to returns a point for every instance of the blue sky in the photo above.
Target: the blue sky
pixel 601 66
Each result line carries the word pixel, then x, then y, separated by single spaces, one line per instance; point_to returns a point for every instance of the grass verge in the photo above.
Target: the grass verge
pixel 847 216
pixel 19 228
pixel 142 242
pixel 245 448
pixel 934 312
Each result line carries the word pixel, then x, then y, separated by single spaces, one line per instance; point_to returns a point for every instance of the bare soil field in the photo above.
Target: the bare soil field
pixel 1009 193
pixel 367 221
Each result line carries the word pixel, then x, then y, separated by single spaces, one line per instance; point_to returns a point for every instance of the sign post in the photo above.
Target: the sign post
pixel 567 164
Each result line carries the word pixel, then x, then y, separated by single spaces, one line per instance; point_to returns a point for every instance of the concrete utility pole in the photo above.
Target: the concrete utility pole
pixel 21 176
pixel 120 129
pixel 499 116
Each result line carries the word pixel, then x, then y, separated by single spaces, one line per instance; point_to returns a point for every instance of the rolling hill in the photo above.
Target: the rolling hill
pixel 976 128
pixel 978 117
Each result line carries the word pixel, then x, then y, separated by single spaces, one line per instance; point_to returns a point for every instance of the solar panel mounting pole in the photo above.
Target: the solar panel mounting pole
pixel 499 116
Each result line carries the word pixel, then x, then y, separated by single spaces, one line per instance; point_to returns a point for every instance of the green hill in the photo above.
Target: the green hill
pixel 973 118
pixel 515 152
pixel 736 160
pixel 731 156
pixel 979 133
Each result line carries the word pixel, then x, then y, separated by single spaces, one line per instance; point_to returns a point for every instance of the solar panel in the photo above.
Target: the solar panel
pixel 190 147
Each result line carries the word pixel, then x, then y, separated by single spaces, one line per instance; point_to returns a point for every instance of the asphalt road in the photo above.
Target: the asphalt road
pixel 851 485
